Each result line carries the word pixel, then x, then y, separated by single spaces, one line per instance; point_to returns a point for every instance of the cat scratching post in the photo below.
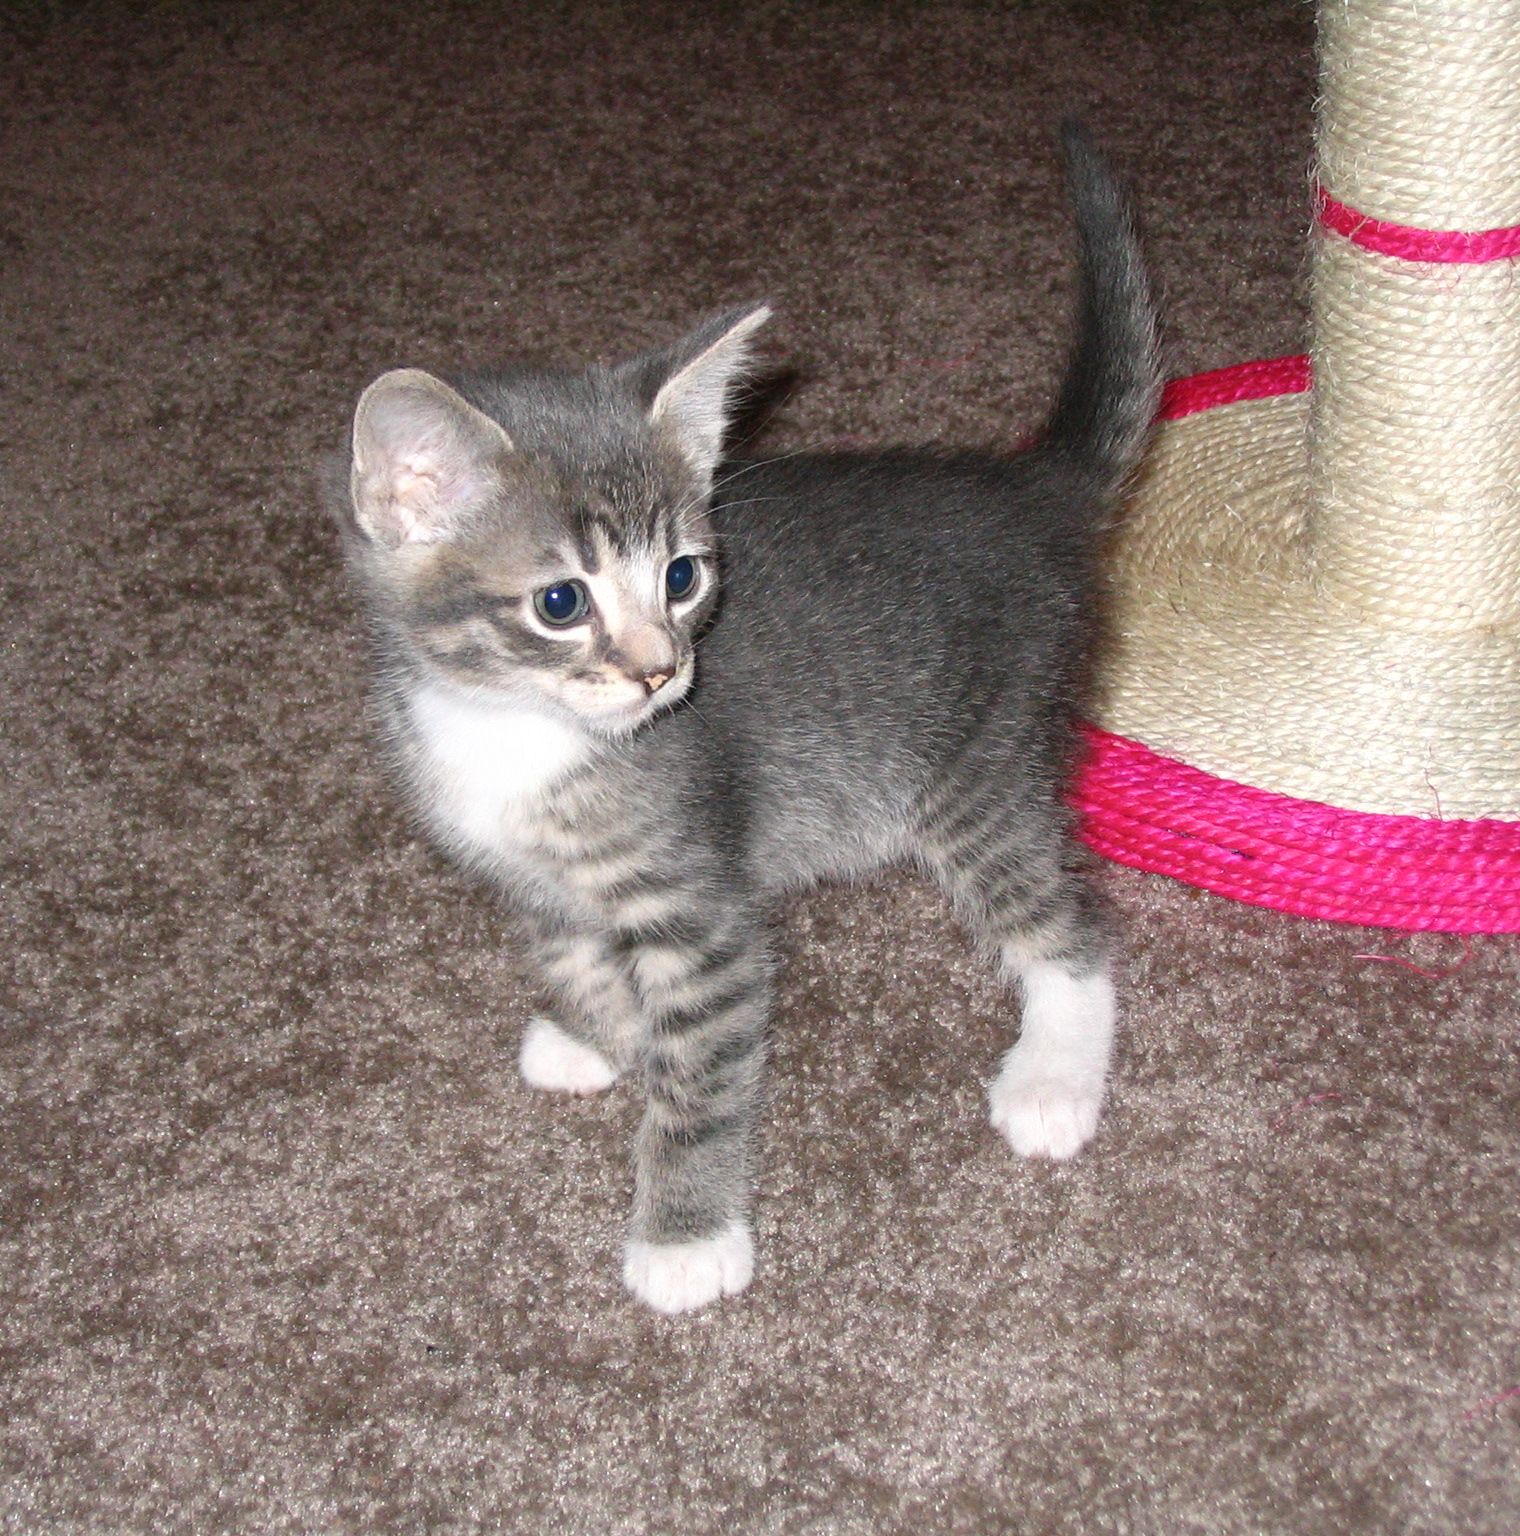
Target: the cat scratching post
pixel 1312 696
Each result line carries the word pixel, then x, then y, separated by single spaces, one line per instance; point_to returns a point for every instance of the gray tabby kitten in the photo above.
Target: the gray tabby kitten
pixel 643 696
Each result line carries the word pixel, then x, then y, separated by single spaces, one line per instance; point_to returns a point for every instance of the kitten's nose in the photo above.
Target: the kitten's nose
pixel 646 654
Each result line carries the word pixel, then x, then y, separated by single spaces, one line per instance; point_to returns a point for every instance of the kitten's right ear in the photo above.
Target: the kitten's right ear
pixel 424 459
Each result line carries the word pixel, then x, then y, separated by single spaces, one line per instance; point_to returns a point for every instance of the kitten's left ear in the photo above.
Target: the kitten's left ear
pixel 688 384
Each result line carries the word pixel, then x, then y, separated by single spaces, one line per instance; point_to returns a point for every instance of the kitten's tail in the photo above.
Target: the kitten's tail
pixel 1109 397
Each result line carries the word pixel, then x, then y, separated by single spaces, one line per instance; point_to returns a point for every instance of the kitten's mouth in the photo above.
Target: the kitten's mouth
pixel 656 695
pixel 666 696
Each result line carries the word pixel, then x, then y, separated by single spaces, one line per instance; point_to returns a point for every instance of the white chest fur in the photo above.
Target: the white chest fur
pixel 487 763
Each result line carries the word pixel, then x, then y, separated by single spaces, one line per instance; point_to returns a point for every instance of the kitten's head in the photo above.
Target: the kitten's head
pixel 543 538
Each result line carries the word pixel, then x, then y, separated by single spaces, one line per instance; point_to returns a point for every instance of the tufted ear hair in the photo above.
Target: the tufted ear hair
pixel 687 386
pixel 424 459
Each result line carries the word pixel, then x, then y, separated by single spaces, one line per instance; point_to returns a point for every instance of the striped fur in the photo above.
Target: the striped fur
pixel 783 672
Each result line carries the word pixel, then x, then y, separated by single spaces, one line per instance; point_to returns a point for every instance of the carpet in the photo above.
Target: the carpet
pixel 284 1244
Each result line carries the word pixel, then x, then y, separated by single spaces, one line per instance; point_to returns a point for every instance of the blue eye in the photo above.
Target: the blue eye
pixel 562 604
pixel 680 576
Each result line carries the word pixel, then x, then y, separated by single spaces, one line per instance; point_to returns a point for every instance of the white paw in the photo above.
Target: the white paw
pixel 1047 1097
pixel 1043 1111
pixel 679 1277
pixel 551 1060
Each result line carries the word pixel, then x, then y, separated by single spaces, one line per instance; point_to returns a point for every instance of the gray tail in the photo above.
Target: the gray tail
pixel 1108 400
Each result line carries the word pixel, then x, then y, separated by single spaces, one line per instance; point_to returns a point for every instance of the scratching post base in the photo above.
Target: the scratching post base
pixel 1312 695
pixel 1261 738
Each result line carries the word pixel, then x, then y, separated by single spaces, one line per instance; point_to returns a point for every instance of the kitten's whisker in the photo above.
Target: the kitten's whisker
pixel 685 518
pixel 698 502
pixel 752 465
pixel 688 703
pixel 749 501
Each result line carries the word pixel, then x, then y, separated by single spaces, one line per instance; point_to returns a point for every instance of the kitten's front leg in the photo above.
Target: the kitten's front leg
pixel 600 1024
pixel 552 1059
pixel 705 985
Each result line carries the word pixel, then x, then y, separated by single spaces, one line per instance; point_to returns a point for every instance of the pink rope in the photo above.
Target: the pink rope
pixel 1154 813
pixel 1228 386
pixel 1492 1402
pixel 1468 247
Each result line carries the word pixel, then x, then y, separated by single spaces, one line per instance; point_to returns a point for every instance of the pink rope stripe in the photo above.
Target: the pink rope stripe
pixel 1227 386
pixel 1153 813
pixel 1467 247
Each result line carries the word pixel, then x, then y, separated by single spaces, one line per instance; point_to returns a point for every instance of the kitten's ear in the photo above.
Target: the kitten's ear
pixel 690 383
pixel 424 458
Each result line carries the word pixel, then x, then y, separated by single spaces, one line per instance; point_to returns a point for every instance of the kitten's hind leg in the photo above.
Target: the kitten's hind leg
pixel 1049 1090
pixel 1023 892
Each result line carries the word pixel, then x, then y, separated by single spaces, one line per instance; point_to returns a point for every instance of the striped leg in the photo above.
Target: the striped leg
pixel 600 1027
pixel 704 979
pixel 599 1024
pixel 1017 883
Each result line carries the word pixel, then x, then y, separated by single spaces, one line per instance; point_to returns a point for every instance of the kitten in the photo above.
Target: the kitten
pixel 643 693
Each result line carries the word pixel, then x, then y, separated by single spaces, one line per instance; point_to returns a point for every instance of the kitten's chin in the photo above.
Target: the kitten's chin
pixel 622 721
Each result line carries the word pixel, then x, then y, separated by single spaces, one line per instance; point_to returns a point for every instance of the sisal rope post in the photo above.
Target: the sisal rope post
pixel 1414 429
pixel 1312 696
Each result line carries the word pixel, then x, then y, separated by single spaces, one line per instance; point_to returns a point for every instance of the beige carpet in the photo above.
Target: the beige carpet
pixel 284 1246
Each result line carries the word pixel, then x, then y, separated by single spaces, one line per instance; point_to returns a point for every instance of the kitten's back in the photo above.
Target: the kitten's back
pixel 887 613
pixel 883 614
